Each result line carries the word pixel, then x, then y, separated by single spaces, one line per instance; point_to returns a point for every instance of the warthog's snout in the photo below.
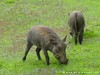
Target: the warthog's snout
pixel 64 62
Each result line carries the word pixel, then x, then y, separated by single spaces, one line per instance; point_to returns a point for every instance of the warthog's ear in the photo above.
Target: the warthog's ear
pixel 53 41
pixel 71 34
pixel 64 39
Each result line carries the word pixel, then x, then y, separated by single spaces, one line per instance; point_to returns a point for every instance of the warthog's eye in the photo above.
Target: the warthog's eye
pixel 59 48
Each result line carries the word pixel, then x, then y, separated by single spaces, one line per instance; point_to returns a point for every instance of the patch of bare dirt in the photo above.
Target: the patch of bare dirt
pixel 19 43
pixel 2 25
pixel 62 31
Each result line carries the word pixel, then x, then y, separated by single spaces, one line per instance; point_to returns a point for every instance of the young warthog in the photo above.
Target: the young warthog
pixel 77 23
pixel 46 39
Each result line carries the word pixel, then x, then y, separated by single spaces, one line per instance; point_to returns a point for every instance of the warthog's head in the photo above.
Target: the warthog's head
pixel 59 51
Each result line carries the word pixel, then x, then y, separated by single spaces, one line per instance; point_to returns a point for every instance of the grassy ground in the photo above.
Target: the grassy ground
pixel 18 16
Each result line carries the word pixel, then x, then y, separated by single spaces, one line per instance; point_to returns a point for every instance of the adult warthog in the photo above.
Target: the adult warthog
pixel 76 22
pixel 46 39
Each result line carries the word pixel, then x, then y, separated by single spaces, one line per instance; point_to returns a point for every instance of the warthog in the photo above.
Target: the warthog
pixel 76 22
pixel 46 39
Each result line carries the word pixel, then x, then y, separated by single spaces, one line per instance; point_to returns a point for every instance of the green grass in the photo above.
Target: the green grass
pixel 18 16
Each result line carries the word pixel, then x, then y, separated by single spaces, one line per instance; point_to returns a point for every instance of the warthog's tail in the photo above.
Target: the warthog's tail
pixel 76 23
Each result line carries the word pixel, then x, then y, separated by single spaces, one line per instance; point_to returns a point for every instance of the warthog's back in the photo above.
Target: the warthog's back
pixel 78 18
